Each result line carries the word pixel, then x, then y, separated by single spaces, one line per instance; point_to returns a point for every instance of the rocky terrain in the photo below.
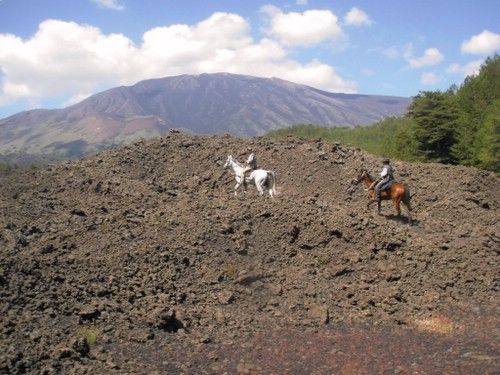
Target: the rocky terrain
pixel 141 260
pixel 200 104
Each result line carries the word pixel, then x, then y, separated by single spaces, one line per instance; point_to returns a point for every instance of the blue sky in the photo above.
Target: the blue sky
pixel 54 53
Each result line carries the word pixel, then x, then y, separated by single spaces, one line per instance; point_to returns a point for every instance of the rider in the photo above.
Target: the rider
pixel 250 165
pixel 387 175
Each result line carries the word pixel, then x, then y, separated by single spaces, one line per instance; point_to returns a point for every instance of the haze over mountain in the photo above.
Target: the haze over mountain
pixel 202 104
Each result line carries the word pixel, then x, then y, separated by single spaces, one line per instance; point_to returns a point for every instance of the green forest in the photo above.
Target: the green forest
pixel 458 126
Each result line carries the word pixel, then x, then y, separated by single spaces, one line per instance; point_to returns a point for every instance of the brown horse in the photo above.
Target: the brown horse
pixel 398 193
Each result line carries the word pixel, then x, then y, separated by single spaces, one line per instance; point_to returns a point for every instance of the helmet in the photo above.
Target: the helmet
pixel 385 161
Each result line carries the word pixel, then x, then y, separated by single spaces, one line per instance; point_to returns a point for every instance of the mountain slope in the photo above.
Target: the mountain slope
pixel 202 104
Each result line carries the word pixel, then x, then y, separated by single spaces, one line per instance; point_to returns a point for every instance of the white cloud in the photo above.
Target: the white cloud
pixel 75 99
pixel 429 79
pixel 469 69
pixel 315 74
pixel 109 4
pixel 431 56
pixel 356 17
pixel 61 58
pixel 482 44
pixel 69 60
pixel 302 2
pixel 302 29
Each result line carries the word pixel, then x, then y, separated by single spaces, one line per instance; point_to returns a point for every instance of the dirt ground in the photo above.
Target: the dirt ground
pixel 142 260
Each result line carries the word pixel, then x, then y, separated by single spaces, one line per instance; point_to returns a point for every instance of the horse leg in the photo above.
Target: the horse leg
pixel 408 207
pixel 236 188
pixel 397 203
pixel 268 191
pixel 271 184
pixel 272 192
pixel 379 206
pixel 370 203
pixel 260 188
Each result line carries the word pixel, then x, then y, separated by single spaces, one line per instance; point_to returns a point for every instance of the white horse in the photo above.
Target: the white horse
pixel 263 180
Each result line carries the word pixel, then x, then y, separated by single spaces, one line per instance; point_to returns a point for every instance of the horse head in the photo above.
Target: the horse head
pixel 359 177
pixel 229 161
pixel 363 175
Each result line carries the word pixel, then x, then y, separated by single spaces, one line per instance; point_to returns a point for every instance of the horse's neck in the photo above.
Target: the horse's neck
pixel 236 166
pixel 368 180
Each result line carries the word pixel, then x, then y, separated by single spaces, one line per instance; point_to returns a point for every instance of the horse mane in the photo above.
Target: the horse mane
pixel 367 173
pixel 237 162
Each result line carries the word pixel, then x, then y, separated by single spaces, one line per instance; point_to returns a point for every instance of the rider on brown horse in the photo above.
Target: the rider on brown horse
pixel 386 181
pixel 396 191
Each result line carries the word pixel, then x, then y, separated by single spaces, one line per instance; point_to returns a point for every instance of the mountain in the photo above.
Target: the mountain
pixel 202 104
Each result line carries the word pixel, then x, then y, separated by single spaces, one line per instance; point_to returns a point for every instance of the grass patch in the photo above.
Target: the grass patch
pixel 90 333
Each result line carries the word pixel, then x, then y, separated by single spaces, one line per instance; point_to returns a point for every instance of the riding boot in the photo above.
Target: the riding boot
pixel 244 179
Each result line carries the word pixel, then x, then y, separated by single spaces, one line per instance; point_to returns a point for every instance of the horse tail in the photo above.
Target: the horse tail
pixel 272 178
pixel 407 197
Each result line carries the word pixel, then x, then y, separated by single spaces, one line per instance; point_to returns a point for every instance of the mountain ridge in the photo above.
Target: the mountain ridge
pixel 202 104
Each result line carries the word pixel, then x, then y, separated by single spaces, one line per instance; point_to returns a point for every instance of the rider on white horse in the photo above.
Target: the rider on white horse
pixel 263 179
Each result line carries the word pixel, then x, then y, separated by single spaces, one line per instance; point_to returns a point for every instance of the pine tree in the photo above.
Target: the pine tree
pixel 474 99
pixel 435 114
pixel 487 140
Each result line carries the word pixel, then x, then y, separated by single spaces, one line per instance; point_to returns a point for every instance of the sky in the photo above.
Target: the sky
pixel 55 53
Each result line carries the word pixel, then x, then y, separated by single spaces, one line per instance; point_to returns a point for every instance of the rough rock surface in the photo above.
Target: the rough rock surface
pixel 141 260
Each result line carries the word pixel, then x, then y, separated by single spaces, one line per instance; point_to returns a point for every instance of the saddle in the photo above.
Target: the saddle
pixel 386 186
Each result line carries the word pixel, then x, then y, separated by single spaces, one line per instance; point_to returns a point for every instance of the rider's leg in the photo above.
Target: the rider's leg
pixel 377 191
pixel 243 178
pixel 379 188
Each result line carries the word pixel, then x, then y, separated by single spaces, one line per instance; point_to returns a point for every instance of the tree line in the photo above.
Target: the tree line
pixel 457 126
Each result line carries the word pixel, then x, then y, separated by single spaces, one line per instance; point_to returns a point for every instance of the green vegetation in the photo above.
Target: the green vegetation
pixel 435 115
pixel 7 168
pixel 384 138
pixel 458 126
pixel 89 333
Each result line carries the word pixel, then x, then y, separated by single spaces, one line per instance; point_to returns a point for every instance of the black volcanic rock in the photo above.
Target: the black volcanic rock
pixel 140 260
pixel 201 104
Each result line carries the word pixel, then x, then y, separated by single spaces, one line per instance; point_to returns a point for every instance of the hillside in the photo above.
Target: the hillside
pixel 201 104
pixel 145 253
